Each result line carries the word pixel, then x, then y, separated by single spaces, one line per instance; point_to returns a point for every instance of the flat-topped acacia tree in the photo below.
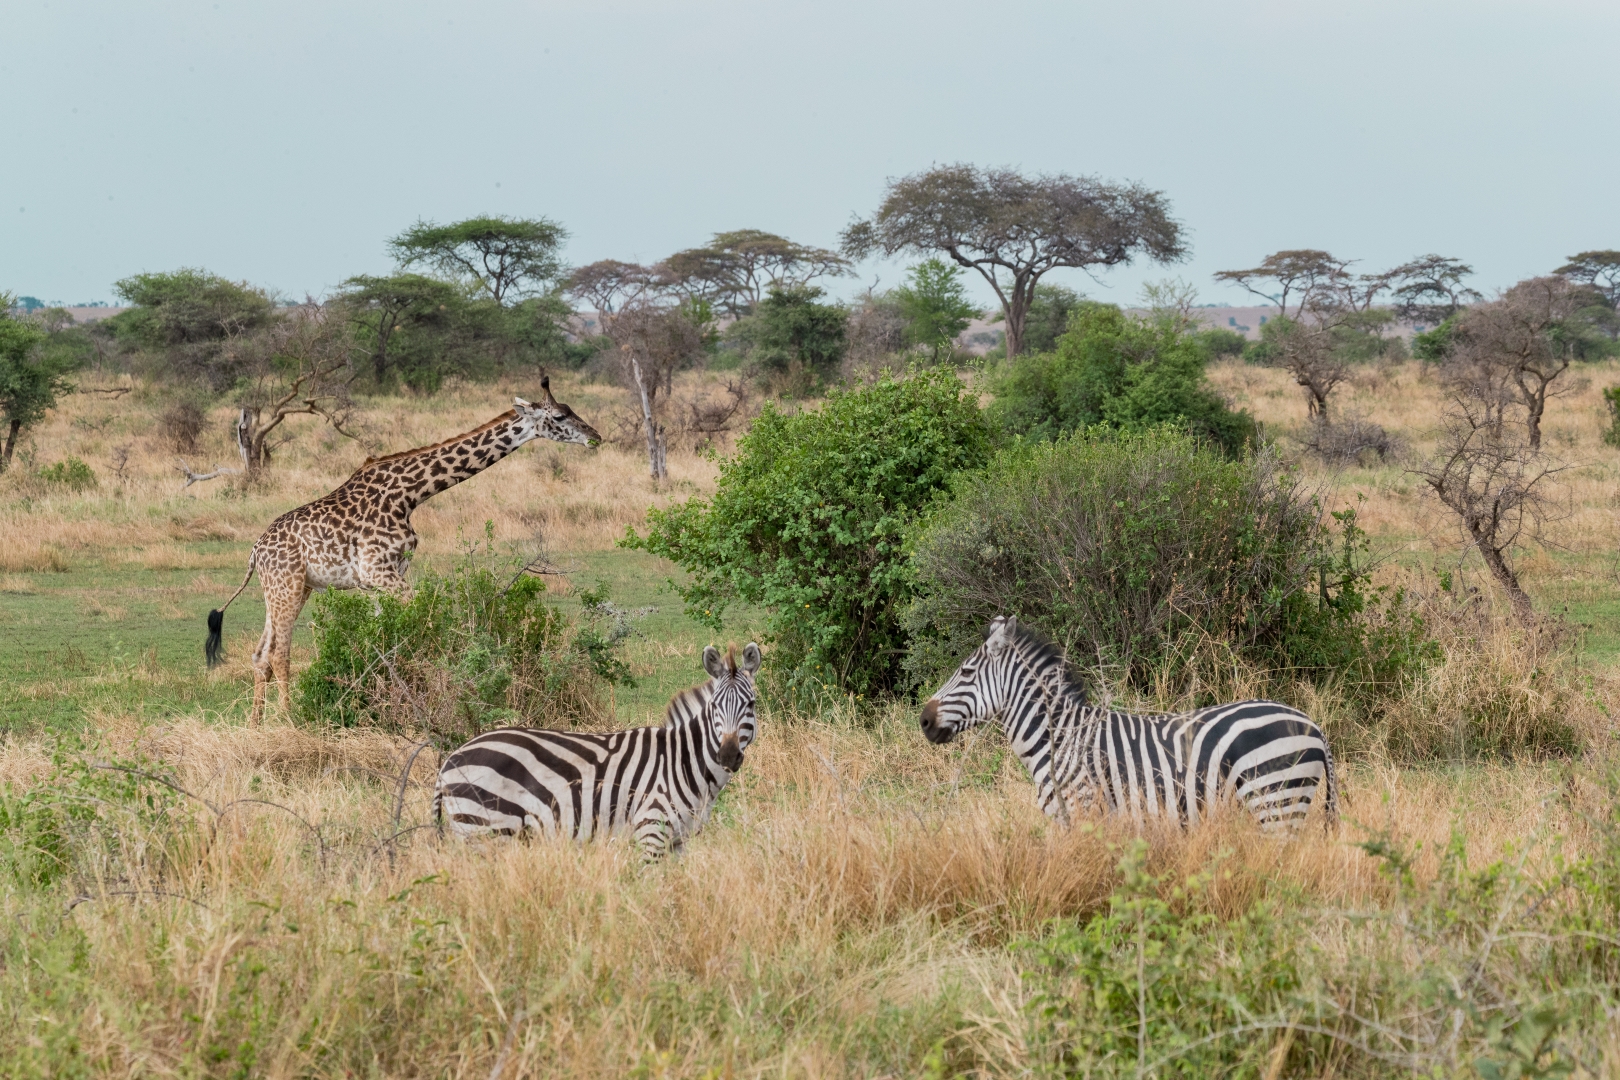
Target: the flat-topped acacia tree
pixel 1012 228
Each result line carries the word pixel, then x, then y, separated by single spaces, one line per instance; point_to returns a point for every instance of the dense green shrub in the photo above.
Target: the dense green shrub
pixel 463 652
pixel 1122 372
pixel 1138 549
pixel 71 473
pixel 809 517
pixel 798 336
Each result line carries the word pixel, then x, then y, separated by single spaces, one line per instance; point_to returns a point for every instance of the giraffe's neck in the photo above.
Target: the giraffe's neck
pixel 415 476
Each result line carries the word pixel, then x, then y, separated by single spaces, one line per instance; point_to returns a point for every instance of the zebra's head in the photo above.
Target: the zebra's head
pixel 731 701
pixel 977 690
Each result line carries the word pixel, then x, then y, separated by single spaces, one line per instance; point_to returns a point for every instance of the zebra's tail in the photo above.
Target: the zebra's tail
pixel 1330 801
pixel 214 647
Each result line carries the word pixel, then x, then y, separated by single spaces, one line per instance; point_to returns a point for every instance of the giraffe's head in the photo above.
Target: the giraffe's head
pixel 553 420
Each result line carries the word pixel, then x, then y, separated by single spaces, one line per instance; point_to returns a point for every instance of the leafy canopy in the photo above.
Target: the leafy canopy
pixel 935 306
pixel 31 378
pixel 509 258
pixel 187 306
pixel 809 518
pixel 1012 228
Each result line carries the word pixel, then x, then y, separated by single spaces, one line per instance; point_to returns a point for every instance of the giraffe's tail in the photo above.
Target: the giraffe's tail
pixel 214 647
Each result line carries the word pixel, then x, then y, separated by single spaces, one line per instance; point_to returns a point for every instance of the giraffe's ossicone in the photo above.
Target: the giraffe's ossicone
pixel 359 536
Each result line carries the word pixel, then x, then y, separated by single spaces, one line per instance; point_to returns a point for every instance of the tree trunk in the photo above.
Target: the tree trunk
pixel 1505 577
pixel 1538 405
pixel 650 426
pixel 11 443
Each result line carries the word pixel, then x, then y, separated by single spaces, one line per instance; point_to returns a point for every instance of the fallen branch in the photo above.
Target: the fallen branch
pixel 115 391
pixel 195 477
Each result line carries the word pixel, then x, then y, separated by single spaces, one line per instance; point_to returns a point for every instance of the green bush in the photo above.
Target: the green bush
pixel 1218 342
pixel 798 337
pixel 1117 371
pixel 808 520
pixel 1611 398
pixel 463 652
pixel 1137 550
pixel 71 473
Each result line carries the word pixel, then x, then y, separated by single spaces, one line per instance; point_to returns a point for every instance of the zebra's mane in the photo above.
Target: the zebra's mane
pixel 688 703
pixel 1036 647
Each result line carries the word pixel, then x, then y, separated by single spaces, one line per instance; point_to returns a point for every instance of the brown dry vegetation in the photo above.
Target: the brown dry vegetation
pixel 848 912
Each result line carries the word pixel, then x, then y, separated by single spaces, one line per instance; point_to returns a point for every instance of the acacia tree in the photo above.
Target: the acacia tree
pixel 735 270
pixel 299 365
pixel 1515 348
pixel 509 258
pixel 383 306
pixel 1332 309
pixel 1012 229
pixel 1430 288
pixel 1598 269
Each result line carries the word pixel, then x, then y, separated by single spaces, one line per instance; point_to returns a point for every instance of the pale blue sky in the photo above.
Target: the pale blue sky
pixel 283 143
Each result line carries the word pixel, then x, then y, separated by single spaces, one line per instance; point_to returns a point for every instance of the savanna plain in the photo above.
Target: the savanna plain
pixel 271 900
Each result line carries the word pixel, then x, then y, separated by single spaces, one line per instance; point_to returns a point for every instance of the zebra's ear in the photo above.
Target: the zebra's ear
pixel 751 658
pixel 712 663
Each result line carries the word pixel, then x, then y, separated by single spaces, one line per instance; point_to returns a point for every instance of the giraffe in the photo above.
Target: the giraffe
pixel 359 535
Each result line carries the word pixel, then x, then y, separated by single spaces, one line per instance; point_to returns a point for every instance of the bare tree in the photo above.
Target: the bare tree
pixel 301 364
pixel 1012 229
pixel 1485 471
pixel 1515 348
pixel 641 312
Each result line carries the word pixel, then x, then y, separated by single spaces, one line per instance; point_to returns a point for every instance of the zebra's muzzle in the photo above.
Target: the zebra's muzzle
pixel 932 731
pixel 731 755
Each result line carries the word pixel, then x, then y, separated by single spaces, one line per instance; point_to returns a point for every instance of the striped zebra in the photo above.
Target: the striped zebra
pixel 654 783
pixel 1269 757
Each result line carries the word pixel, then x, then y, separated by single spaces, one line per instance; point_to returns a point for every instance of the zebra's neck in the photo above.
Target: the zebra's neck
pixel 1046 720
pixel 695 734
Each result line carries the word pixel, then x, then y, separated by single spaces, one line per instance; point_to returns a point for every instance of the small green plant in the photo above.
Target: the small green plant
pixel 71 473
pixel 466 650
pixel 809 520
pixel 1611 398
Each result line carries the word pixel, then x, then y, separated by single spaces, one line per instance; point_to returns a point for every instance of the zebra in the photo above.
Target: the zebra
pixel 656 784
pixel 1273 759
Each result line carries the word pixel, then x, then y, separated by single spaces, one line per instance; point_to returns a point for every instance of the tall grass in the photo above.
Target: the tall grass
pixel 863 904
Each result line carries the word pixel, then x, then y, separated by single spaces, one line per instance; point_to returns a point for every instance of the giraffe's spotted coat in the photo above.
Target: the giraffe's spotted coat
pixel 359 535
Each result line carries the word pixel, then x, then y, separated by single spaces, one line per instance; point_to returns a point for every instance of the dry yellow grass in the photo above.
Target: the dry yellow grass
pixel 850 873
pixel 571 497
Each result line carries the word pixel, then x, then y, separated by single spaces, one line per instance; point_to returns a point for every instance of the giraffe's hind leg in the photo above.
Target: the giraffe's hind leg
pixel 283 600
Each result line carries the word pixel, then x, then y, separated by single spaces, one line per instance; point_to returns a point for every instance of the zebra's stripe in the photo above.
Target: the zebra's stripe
pixel 656 783
pixel 1271 758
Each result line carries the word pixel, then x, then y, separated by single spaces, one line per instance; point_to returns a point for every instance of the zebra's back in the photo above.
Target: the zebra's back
pixel 575 784
pixel 1271 758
